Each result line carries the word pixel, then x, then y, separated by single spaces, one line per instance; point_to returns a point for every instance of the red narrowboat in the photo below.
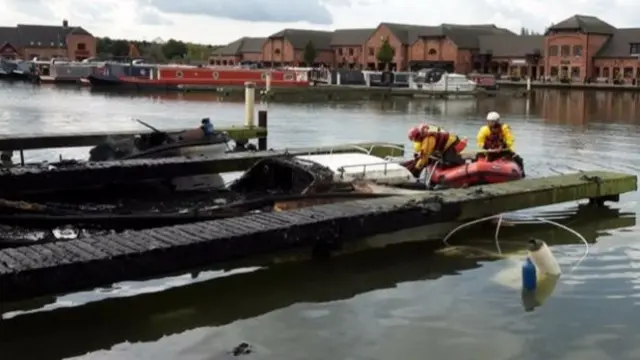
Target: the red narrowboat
pixel 167 77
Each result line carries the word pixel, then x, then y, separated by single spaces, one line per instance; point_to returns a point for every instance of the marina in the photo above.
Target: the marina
pixel 570 154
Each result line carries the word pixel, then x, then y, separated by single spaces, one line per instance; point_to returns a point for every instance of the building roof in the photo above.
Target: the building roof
pixel 39 35
pixel 586 24
pixel 619 45
pixel 299 38
pixel 407 34
pixel 9 35
pixel 243 45
pixel 468 36
pixel 506 45
pixel 347 37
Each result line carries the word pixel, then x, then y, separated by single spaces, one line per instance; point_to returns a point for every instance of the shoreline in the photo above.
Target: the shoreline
pixel 573 86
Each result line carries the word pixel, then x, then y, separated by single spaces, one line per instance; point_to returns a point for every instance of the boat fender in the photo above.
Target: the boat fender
pixel 544 289
pixel 543 258
pixel 529 276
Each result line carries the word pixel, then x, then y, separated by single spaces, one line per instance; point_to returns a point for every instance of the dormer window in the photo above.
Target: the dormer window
pixel 634 48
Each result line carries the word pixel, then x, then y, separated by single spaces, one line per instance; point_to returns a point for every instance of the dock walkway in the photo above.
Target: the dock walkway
pixel 84 263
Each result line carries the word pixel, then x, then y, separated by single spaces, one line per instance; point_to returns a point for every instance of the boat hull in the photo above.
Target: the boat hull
pixel 479 172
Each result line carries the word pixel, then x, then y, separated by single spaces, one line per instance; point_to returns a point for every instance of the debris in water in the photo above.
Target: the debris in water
pixel 65 233
pixel 242 349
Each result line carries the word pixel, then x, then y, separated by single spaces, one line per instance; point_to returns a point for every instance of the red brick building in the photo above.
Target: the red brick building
pixel 576 48
pixel 46 42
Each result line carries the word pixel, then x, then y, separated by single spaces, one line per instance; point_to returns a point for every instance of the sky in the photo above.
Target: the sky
pixel 222 21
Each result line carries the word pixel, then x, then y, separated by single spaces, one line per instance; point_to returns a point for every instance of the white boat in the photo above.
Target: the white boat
pixel 440 81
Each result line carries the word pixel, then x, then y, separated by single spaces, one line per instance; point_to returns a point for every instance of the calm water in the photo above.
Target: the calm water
pixel 401 302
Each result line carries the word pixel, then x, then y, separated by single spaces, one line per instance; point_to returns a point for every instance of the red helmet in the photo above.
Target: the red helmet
pixel 414 134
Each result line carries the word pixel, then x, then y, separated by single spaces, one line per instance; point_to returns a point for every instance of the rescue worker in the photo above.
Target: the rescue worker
pixel 497 136
pixel 435 143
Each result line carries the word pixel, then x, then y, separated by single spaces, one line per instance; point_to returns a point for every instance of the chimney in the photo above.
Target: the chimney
pixel 65 23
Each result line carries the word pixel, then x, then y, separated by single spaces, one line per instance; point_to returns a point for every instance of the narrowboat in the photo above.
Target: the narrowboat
pixel 175 77
pixel 63 72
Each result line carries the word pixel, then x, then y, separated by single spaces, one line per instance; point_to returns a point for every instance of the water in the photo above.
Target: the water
pixel 403 302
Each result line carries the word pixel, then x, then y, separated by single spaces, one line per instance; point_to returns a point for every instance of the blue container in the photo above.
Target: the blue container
pixel 529 276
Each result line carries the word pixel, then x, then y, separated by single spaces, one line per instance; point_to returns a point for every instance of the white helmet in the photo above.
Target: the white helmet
pixel 493 116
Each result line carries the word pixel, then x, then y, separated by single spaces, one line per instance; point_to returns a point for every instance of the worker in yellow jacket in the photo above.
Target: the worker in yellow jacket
pixel 497 136
pixel 437 143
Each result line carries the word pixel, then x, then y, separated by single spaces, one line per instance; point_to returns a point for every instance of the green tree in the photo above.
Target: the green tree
pixel 385 53
pixel 310 53
pixel 173 49
pixel 153 52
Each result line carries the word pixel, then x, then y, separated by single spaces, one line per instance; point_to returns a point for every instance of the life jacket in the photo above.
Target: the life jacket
pixel 442 139
pixel 495 139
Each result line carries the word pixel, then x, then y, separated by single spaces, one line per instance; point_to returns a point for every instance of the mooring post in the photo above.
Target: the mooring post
pixel 267 80
pixel 262 122
pixel 249 104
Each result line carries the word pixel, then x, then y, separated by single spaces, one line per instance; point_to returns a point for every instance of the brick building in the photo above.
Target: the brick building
pixel 577 48
pixel 46 42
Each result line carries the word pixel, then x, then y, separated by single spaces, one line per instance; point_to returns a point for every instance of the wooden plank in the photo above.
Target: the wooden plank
pixel 46 269
pixel 78 139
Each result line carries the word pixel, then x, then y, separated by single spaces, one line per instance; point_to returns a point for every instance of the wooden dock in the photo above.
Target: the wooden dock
pixel 28 179
pixel 314 282
pixel 78 139
pixel 85 263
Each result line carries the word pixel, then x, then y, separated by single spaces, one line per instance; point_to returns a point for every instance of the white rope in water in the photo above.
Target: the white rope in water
pixel 531 220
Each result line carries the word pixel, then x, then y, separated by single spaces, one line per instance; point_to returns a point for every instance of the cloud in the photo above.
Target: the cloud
pixel 282 11
pixel 150 16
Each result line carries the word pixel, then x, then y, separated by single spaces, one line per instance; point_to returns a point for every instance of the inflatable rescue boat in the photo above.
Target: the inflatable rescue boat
pixel 479 172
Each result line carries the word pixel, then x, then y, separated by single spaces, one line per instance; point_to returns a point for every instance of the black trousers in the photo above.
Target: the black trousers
pixel 451 157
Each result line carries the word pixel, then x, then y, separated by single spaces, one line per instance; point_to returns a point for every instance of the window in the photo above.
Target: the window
pixel 638 73
pixel 575 72
pixel 553 50
pixel 351 51
pixel 554 71
pixel 596 72
pixel 634 48
pixel 628 72
pixel 565 50
pixel 372 51
pixel 179 74
pixel 606 72
pixel 432 52
pixel 577 50
pixel 82 46
pixel 277 51
pixel 340 51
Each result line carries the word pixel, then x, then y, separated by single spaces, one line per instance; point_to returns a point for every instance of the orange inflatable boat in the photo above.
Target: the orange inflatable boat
pixel 479 172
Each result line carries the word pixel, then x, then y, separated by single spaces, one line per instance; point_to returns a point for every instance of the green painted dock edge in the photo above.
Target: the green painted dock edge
pixel 481 201
pixel 335 93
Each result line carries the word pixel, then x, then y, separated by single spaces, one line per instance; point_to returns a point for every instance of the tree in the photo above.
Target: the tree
pixel 385 53
pixel 174 49
pixel 310 53
pixel 153 52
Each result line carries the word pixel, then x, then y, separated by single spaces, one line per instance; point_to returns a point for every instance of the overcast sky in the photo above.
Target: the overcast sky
pixel 222 21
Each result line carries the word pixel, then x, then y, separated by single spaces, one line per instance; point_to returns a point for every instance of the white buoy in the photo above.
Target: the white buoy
pixel 543 258
pixel 249 104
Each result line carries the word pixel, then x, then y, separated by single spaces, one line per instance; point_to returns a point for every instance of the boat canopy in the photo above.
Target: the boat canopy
pixel 358 166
